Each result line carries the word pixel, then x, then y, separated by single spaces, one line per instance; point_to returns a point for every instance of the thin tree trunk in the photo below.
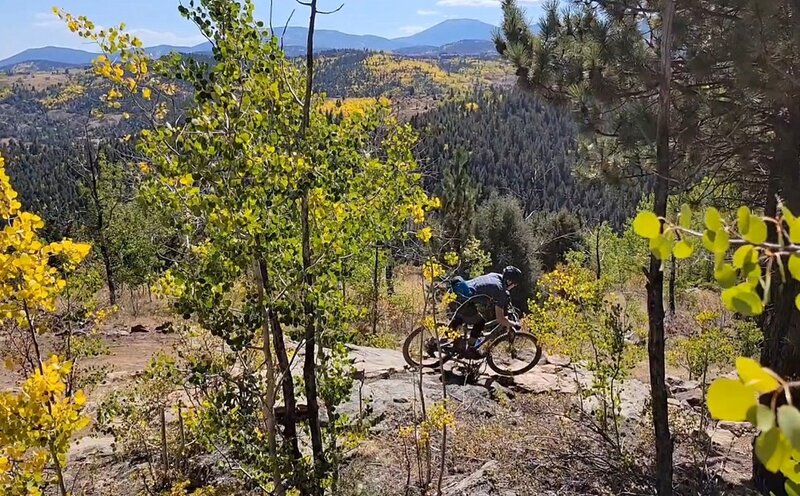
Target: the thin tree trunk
pixel 289 420
pixel 269 402
pixel 164 454
pixel 106 255
pixel 598 261
pixel 309 365
pixel 655 284
pixel 93 164
pixel 390 273
pixel 62 487
pixel 375 291
pixel 673 266
pixel 182 429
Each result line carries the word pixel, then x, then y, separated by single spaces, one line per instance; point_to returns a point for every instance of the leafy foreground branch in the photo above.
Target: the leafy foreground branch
pixel 763 248
pixel 275 203
pixel 38 421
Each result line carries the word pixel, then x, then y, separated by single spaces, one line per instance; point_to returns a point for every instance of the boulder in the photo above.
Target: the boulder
pixel 479 483
pixel 737 428
pixel 560 361
pixel 91 447
pixel 377 362
pixel 721 438
pixel 692 397
pixel 543 382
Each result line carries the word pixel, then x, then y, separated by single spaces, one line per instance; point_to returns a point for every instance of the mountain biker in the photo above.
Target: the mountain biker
pixel 476 298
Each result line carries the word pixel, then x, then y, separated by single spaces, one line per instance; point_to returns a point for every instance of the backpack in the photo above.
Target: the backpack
pixel 460 287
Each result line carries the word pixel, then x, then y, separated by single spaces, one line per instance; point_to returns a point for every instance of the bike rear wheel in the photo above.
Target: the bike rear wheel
pixel 420 349
pixel 513 354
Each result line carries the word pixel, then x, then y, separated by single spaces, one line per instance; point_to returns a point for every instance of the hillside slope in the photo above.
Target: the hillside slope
pixel 523 147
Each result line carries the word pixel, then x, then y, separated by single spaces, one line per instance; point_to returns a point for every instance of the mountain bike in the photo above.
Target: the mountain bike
pixel 507 352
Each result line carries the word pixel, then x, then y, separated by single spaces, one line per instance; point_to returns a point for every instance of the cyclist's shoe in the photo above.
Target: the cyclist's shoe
pixel 431 348
pixel 460 345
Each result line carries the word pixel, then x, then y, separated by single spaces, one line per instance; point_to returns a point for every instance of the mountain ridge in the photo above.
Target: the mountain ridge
pixel 433 40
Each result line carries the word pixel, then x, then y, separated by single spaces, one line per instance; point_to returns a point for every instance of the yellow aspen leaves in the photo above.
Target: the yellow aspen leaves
pixel 186 180
pixel 754 376
pixel 36 424
pixel 27 278
pixel 417 214
pixel 432 270
pixel 38 421
pixel 448 298
pixel 425 234
pixel 451 258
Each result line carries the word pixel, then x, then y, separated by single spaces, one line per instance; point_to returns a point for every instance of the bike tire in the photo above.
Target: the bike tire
pixel 506 339
pixel 409 353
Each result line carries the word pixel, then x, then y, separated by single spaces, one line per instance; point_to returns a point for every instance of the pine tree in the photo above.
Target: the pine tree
pixel 459 195
pixel 753 50
pixel 617 80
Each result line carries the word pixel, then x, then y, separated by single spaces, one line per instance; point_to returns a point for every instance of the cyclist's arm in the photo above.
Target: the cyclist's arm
pixel 500 316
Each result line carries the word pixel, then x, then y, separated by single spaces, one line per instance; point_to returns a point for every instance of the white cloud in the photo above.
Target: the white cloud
pixel 475 3
pixel 46 20
pixel 150 38
pixel 424 12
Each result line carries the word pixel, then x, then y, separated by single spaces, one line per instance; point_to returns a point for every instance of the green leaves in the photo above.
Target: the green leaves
pixel 661 247
pixel 757 234
pixel 762 417
pixel 778 445
pixel 716 241
pixel 713 220
pixel 754 376
pixel 794 228
pixel 685 217
pixel 772 449
pixel 794 266
pixel 682 250
pixel 789 422
pixel 743 299
pixel 725 275
pixel 729 399
pixel 647 225
pixel 752 228
pixel 745 257
pixel 743 219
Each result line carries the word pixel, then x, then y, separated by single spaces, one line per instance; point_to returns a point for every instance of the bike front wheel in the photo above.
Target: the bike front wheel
pixel 513 354
pixel 420 349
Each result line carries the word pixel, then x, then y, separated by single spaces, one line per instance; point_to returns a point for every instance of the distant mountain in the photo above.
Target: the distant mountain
pixel 161 50
pixel 68 56
pixel 449 31
pixel 472 48
pixel 325 39
pixel 469 47
pixel 418 51
pixel 454 36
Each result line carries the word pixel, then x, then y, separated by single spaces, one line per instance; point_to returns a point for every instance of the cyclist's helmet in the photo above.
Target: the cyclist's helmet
pixel 511 275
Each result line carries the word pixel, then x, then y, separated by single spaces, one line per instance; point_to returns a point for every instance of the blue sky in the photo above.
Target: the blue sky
pixel 30 23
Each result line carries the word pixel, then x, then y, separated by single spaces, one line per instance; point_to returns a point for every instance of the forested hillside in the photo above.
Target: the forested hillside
pixel 521 146
pixel 354 74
